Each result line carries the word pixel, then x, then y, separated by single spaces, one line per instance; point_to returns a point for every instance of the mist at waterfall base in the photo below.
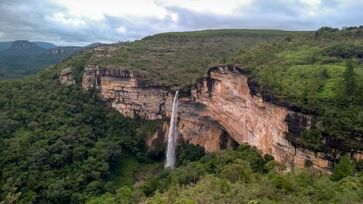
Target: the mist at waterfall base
pixel 173 135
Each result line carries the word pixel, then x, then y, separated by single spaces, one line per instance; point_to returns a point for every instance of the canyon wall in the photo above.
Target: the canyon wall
pixel 243 110
pixel 128 93
pixel 224 109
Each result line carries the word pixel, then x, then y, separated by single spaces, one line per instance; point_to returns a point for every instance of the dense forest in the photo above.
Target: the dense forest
pixel 240 176
pixel 60 144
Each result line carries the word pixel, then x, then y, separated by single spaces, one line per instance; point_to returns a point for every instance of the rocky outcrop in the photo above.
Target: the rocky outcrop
pixel 66 77
pixel 251 119
pixel 104 51
pixel 127 92
pixel 224 109
pixel 56 51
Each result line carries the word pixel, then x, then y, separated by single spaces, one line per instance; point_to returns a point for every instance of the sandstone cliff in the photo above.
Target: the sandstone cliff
pixel 66 77
pixel 224 109
pixel 127 92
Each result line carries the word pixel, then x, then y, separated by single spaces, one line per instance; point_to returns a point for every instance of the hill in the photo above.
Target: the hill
pixel 60 144
pixel 21 58
pixel 180 58
pixel 45 45
pixel 318 72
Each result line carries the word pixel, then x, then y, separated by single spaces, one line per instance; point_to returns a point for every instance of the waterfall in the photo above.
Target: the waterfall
pixel 173 135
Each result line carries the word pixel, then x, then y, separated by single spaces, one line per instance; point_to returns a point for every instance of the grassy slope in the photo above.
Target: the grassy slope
pixel 180 58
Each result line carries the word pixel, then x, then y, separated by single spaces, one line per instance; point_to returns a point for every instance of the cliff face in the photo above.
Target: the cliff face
pixel 248 118
pixel 127 92
pixel 223 110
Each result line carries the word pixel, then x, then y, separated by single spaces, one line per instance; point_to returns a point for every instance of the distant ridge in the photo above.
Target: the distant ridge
pixel 45 45
pixel 20 58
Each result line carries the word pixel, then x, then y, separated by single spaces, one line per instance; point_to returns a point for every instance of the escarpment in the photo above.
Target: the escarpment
pixel 127 92
pixel 224 109
pixel 248 118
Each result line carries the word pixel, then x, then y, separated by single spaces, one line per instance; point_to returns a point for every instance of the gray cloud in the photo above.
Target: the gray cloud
pixel 34 20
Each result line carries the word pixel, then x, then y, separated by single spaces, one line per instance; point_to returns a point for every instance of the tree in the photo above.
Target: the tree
pixel 343 169
pixel 323 30
pixel 235 172
pixel 350 80
pixel 324 74
pixel 190 152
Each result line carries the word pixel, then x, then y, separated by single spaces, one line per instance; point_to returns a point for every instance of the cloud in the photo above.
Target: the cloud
pixel 121 30
pixel 62 19
pixel 84 21
pixel 96 10
pixel 207 6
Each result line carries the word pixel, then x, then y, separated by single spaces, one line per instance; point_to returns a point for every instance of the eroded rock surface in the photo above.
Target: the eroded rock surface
pixel 66 77
pixel 127 92
pixel 249 119
pixel 224 109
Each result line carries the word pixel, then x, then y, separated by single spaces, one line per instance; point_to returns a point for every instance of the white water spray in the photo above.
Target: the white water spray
pixel 173 135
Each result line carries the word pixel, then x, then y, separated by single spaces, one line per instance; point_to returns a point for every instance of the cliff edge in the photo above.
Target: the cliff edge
pixel 224 109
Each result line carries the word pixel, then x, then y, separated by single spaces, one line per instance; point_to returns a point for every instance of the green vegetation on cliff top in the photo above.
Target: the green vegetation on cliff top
pixel 182 57
pixel 321 73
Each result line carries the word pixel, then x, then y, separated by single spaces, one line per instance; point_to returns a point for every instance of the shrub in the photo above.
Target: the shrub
pixel 344 168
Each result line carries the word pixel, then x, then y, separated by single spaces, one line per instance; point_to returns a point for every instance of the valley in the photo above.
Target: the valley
pixel 264 116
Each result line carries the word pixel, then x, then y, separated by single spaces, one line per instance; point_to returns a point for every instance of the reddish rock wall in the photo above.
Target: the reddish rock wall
pixel 223 109
pixel 249 119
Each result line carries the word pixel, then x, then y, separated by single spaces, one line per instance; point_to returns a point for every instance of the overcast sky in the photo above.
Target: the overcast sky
pixel 81 22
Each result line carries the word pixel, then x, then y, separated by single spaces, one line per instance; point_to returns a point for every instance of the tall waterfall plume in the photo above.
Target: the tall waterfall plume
pixel 173 135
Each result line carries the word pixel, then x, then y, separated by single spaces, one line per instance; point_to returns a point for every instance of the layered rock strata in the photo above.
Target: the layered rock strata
pixel 127 92
pixel 224 109
pixel 250 119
